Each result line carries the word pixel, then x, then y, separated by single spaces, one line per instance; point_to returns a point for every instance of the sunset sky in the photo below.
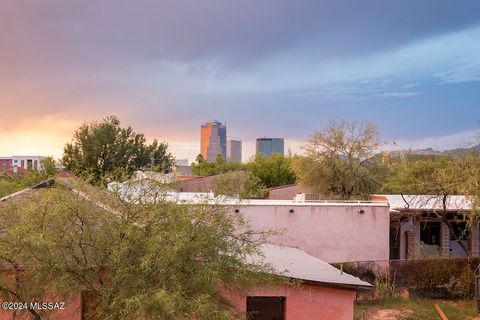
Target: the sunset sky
pixel 267 68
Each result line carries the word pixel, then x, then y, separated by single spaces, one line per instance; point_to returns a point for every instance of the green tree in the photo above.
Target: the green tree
pixel 160 159
pixel 240 184
pixel 472 184
pixel 103 151
pixel 219 166
pixel 433 181
pixel 49 168
pixel 137 260
pixel 219 159
pixel 273 171
pixel 341 161
pixel 200 158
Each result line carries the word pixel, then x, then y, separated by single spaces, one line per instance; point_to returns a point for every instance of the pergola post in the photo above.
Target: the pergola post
pixel 444 239
pixel 411 244
pixel 475 241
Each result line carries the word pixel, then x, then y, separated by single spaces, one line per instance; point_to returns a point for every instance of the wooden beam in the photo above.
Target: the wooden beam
pixel 440 312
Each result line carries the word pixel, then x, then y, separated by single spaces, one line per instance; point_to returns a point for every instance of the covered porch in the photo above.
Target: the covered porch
pixel 425 234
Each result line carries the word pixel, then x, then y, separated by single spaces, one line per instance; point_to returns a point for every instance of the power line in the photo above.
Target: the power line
pixel 25 136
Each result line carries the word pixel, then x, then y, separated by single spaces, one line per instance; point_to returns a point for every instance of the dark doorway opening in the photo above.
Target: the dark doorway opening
pixel 430 233
pixel 394 243
pixel 266 308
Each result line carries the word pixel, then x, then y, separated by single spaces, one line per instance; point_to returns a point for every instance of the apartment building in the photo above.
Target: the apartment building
pixel 14 163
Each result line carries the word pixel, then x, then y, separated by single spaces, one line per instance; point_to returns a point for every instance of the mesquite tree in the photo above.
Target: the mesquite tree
pixel 145 259
pixel 341 161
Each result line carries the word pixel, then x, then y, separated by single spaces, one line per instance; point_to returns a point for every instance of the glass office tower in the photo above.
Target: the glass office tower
pixel 267 146
pixel 213 140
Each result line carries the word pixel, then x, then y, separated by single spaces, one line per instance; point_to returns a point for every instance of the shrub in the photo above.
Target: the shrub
pixel 451 277
pixel 384 288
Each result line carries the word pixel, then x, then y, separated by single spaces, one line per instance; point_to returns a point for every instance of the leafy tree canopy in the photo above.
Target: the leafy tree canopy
pixel 199 158
pixel 341 161
pixel 103 151
pixel 472 183
pixel 275 170
pixel 437 178
pixel 239 183
pixel 141 260
pixel 272 171
pixel 439 175
pixel 219 166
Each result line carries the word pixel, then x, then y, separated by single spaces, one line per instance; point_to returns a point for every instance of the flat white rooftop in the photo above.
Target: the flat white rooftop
pixel 11 157
pixel 425 202
pixel 319 203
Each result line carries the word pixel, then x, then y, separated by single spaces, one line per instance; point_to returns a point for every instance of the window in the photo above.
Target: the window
pixel 430 233
pixel 22 163
pixel 461 231
pixel 266 308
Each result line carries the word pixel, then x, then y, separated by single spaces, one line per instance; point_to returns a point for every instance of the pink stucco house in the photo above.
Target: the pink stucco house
pixel 325 292
pixel 331 230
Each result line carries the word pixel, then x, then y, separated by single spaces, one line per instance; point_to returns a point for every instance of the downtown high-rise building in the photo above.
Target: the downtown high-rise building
pixel 234 151
pixel 213 140
pixel 268 146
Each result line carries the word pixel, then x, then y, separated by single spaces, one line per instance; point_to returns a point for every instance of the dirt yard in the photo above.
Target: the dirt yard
pixel 418 309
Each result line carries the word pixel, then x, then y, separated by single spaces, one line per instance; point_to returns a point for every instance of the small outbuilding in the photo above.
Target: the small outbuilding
pixel 325 292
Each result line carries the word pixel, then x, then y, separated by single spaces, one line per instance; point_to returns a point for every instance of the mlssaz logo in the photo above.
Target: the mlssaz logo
pixel 47 305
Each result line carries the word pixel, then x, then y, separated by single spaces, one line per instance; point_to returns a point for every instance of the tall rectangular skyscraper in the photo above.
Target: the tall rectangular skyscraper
pixel 234 151
pixel 268 146
pixel 213 140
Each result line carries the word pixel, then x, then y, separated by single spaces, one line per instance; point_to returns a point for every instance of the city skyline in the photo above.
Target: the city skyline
pixel 268 146
pixel 275 68
pixel 234 150
pixel 213 140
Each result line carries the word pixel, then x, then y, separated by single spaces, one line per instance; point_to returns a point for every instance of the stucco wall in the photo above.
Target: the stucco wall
pixel 333 233
pixel 308 302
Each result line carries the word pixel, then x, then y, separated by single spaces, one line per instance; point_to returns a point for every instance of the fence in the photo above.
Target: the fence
pixel 437 278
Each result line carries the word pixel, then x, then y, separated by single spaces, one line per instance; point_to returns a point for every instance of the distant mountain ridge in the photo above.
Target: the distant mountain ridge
pixel 457 151
pixel 432 152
